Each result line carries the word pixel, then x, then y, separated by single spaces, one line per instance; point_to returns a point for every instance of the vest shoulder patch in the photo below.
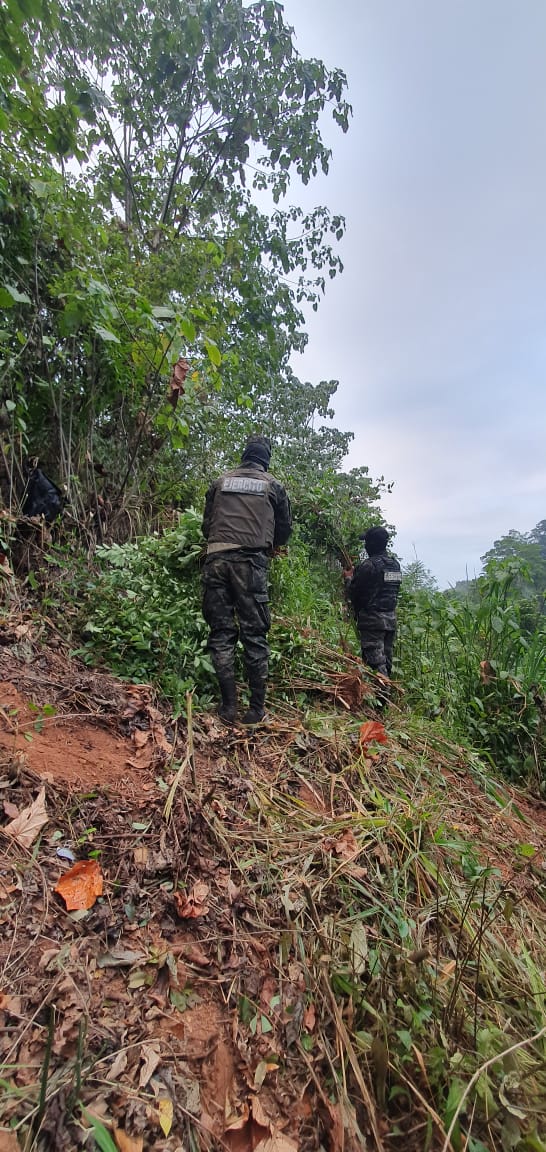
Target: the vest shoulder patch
pixel 392 577
pixel 244 484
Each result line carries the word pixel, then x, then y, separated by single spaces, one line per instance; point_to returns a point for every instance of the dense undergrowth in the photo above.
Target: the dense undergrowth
pixel 140 614
pixel 472 666
pixel 431 946
pixel 476 666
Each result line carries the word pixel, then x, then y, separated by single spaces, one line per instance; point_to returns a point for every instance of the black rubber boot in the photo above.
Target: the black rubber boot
pixel 228 708
pixel 256 710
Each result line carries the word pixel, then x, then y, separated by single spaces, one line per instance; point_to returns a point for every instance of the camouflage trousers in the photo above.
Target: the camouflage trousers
pixel 377 632
pixel 235 607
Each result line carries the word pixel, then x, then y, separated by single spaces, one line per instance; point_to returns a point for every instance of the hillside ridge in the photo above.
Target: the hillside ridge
pixel 317 943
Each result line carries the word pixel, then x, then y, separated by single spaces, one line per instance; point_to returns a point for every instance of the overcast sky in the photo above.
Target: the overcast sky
pixel 437 328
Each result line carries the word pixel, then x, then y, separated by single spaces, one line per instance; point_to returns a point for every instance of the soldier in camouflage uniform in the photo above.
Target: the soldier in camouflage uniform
pixel 247 515
pixel 373 591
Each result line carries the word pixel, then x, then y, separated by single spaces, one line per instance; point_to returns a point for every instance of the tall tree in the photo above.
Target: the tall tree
pixel 183 94
pixel 538 536
pixel 526 551
pixel 156 251
pixel 418 578
pixel 529 548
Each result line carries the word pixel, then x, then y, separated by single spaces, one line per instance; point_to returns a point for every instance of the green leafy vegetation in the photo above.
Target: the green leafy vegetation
pixel 149 309
pixel 142 612
pixel 148 314
pixel 470 665
pixel 474 664
pixel 141 615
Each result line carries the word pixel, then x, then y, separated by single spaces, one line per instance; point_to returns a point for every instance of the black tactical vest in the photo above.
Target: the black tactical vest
pixel 387 582
pixel 242 513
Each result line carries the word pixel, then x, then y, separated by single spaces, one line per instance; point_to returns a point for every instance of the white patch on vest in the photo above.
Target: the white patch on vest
pixel 392 577
pixel 243 484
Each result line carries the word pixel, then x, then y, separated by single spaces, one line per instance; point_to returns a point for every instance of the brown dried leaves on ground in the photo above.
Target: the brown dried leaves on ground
pixel 235 981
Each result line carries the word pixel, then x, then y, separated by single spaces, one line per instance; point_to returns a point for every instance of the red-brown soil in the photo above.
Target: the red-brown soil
pixel 79 750
pixel 162 1047
pixel 173 1030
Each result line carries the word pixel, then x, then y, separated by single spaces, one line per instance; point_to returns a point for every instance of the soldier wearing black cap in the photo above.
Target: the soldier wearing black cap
pixel 373 591
pixel 247 515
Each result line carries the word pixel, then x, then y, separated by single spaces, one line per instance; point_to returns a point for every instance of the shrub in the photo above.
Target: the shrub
pixel 142 613
pixel 474 664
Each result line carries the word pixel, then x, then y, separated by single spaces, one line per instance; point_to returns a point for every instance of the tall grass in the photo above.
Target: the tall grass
pixel 473 664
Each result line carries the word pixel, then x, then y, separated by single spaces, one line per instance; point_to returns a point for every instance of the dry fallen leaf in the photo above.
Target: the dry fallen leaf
pixel 487 672
pixel 26 826
pixel 358 948
pixel 127 1143
pixel 345 845
pixel 372 732
pixel 259 1116
pixel 150 744
pixel 80 886
pixel 9 1142
pixel 277 1142
pixel 381 852
pixel 195 954
pixel 6 890
pixel 10 1004
pixel 176 382
pixel 334 1126
pixel 309 1018
pixel 119 1065
pixel 166 1113
pixel 261 1072
pixel 140 696
pixel 194 905
pixel 421 1062
pixel 232 890
pixel 119 957
pixel 448 970
pixel 236 1121
pixel 151 1057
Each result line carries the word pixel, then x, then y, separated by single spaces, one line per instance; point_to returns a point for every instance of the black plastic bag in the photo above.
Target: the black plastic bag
pixel 42 497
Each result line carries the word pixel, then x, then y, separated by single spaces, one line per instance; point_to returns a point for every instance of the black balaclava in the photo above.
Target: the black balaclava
pixel 375 540
pixel 257 451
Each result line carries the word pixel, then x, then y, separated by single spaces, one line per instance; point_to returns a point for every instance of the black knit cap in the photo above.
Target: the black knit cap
pixel 257 451
pixel 375 539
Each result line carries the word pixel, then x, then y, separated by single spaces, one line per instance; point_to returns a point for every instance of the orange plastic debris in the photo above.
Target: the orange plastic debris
pixel 80 886
pixel 372 732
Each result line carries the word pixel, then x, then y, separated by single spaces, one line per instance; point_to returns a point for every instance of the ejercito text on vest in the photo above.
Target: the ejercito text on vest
pixel 243 513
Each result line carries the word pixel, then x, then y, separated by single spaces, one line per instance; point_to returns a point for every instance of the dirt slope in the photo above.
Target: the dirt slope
pixel 195 1004
pixel 138 993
